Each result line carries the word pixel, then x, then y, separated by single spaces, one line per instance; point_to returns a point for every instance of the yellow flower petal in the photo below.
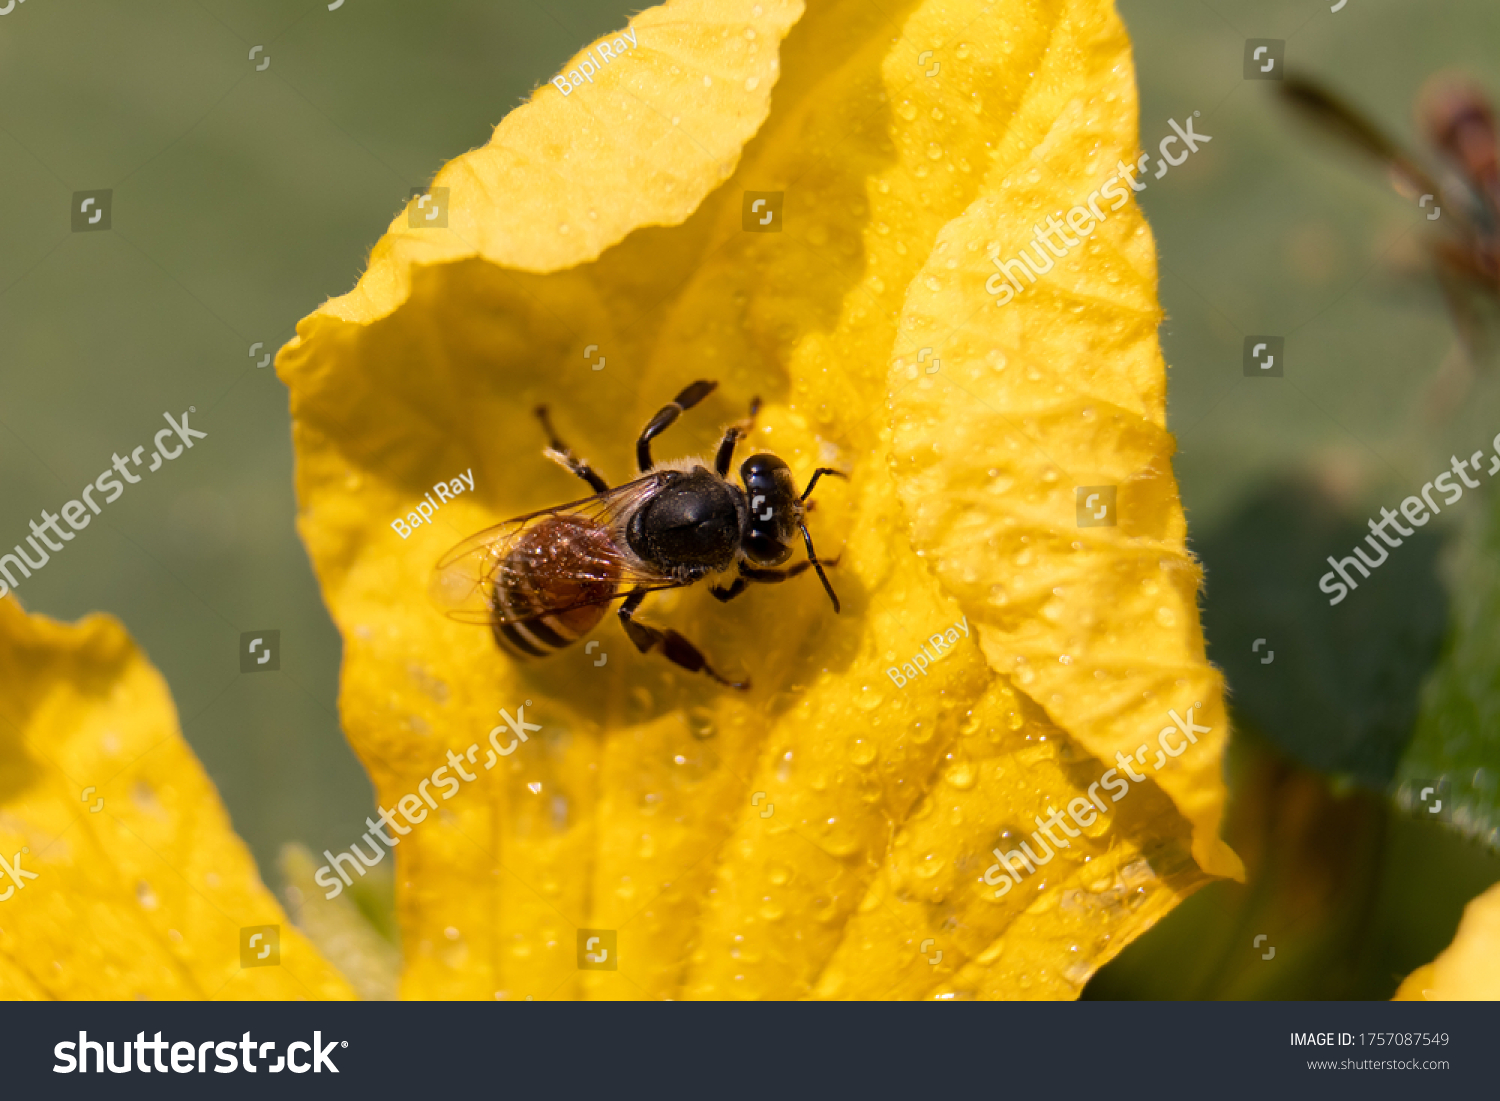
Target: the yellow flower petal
pixel 830 832
pixel 563 178
pixel 1469 968
pixel 1061 388
pixel 141 888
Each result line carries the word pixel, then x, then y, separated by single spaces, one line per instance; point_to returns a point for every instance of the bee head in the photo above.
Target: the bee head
pixel 775 510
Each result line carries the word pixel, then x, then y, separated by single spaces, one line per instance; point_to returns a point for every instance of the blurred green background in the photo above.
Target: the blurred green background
pixel 244 197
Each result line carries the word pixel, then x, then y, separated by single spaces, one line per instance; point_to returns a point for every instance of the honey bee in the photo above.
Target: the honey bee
pixel 1458 121
pixel 544 580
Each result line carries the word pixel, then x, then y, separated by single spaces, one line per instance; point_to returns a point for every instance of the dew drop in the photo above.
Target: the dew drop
pixel 784 767
pixel 1077 972
pixel 960 774
pixel 700 723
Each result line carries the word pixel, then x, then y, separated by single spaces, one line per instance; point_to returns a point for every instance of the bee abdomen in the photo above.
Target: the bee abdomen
pixel 536 638
pixel 564 562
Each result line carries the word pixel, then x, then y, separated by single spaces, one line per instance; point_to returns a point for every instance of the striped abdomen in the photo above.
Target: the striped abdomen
pixel 561 562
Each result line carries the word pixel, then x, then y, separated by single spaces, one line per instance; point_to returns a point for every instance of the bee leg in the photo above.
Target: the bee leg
pixel 674 647
pixel 771 577
pixel 732 436
pixel 812 556
pixel 764 576
pixel 724 596
pixel 690 396
pixel 559 453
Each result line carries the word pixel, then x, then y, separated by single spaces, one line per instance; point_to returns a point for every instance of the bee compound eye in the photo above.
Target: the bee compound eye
pixel 763 548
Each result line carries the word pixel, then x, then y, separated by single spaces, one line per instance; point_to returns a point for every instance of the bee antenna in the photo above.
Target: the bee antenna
pixel 812 557
pixel 806 493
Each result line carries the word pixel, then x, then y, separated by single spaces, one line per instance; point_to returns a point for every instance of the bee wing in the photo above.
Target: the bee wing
pixel 464 580
pixel 1326 110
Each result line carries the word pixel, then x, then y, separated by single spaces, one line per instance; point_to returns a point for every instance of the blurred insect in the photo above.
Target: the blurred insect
pixel 1457 119
pixel 543 581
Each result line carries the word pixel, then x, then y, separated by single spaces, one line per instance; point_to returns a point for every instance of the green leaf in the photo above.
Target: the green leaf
pixel 1458 726
pixel 1341 690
